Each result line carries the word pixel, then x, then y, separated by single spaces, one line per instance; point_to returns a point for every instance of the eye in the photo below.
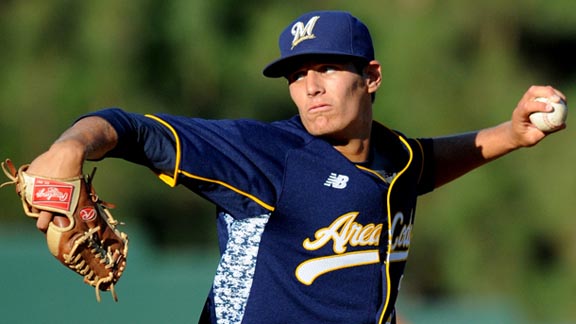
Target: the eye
pixel 329 68
pixel 295 76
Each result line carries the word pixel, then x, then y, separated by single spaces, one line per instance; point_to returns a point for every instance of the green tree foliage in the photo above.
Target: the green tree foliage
pixel 449 66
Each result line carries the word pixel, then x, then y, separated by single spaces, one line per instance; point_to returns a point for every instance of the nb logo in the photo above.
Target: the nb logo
pixel 337 181
pixel 303 32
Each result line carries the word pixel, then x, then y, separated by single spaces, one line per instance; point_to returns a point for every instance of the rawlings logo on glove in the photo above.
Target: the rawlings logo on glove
pixel 90 244
pixel 54 194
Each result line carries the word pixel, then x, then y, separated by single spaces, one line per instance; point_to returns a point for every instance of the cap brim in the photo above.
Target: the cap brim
pixel 284 66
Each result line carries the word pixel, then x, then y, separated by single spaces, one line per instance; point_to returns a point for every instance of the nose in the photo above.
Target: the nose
pixel 314 85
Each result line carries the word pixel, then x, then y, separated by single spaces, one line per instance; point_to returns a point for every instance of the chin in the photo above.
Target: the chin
pixel 320 128
pixel 319 131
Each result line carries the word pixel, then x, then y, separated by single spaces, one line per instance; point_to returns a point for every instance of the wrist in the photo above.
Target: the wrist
pixel 64 159
pixel 497 141
pixel 69 149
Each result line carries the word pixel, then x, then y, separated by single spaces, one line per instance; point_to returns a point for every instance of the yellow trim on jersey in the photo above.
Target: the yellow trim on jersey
pixel 224 184
pixel 170 180
pixel 388 206
pixel 372 171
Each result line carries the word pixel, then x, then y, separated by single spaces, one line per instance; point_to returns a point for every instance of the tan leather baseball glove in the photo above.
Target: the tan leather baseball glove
pixel 88 242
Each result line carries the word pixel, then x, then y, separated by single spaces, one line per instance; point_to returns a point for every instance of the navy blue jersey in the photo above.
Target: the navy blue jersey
pixel 305 235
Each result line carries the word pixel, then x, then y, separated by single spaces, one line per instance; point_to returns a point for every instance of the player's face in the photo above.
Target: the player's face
pixel 333 99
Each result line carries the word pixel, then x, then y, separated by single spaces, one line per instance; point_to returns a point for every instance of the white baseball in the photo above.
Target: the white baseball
pixel 550 121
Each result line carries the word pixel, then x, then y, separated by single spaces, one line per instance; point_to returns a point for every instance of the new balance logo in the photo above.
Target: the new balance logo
pixel 337 181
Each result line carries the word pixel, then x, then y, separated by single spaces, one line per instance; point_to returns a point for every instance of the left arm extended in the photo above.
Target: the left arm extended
pixel 456 155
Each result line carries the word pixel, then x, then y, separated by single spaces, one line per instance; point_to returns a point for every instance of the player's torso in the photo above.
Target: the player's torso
pixel 325 255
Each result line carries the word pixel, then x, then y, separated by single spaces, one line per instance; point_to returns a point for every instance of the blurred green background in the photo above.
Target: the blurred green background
pixel 497 246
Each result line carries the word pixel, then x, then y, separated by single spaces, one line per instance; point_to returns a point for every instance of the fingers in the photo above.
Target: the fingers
pixel 544 91
pixel 528 104
pixel 45 218
pixel 60 221
pixel 43 221
pixel 525 133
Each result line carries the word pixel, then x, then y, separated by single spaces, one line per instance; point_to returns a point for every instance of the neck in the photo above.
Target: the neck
pixel 355 150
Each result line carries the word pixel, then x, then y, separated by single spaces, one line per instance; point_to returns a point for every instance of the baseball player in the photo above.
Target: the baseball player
pixel 314 213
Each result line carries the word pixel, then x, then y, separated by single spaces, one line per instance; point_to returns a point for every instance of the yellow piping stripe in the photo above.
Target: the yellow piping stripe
pixel 171 181
pixel 373 172
pixel 224 184
pixel 390 228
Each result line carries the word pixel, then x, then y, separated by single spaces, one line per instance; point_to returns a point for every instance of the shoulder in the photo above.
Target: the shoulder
pixel 395 141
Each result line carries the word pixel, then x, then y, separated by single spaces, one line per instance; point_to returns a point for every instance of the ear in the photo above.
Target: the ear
pixel 373 75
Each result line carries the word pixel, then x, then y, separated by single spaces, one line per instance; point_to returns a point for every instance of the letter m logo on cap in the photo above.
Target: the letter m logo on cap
pixel 303 32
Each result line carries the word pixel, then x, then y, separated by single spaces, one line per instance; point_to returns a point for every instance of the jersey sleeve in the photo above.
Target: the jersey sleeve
pixel 236 164
pixel 141 140
pixel 239 164
pixel 424 152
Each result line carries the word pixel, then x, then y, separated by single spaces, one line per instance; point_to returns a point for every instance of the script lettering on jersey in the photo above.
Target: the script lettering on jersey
pixel 345 232
pixel 303 32
pixel 401 235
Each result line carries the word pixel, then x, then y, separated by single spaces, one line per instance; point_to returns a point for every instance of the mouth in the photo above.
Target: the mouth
pixel 318 107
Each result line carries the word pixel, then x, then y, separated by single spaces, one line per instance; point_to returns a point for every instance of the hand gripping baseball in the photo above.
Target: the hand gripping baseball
pixel 90 244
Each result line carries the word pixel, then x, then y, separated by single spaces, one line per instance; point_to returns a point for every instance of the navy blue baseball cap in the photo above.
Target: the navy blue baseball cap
pixel 321 33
